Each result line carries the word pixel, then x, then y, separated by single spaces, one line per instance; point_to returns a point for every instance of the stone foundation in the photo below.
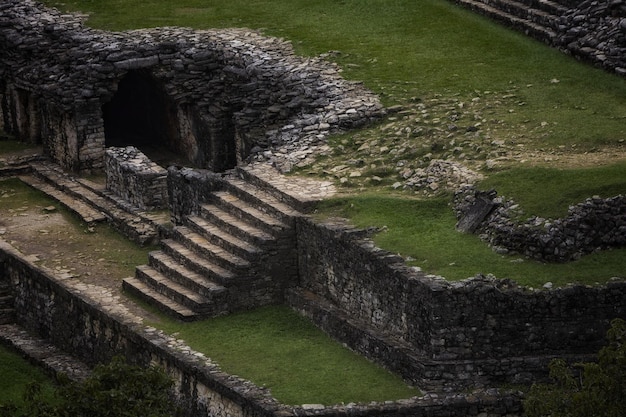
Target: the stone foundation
pixel 133 177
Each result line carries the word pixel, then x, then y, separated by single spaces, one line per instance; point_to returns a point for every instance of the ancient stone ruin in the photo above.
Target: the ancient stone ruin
pixel 237 236
pixel 591 30
pixel 208 98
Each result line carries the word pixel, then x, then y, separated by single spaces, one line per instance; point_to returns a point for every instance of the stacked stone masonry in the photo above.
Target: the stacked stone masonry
pixel 591 30
pixel 94 329
pixel 214 97
pixel 594 225
pixel 132 176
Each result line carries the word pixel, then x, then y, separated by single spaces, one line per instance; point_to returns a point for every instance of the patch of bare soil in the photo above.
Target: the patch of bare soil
pixel 69 250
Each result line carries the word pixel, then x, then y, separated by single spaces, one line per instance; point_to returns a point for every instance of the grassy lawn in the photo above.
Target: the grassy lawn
pixel 17 373
pixel 277 348
pixel 423 232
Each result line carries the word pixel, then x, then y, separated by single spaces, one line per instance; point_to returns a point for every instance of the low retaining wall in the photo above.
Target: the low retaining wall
pixel 51 307
pixel 593 225
pixel 132 176
pixel 485 329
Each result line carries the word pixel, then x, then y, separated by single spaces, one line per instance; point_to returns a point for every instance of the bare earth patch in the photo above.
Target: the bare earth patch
pixel 95 258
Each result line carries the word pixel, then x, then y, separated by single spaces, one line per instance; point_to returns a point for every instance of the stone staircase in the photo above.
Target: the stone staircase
pixel 7 312
pixel 92 203
pixel 237 253
pixel 536 18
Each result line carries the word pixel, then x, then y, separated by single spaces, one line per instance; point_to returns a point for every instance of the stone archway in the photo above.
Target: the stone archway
pixel 141 114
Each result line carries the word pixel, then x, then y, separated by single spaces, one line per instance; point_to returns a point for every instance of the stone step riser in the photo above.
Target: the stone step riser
pixel 526 12
pixel 238 227
pixel 535 30
pixel 7 316
pixel 246 213
pixel 551 7
pixel 154 300
pixel 225 240
pixel 216 255
pixel 182 276
pixel 200 266
pixel 198 304
pixel 261 201
pixel 298 204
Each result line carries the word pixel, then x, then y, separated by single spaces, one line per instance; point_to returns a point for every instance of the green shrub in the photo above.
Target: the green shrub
pixel 585 389
pixel 114 390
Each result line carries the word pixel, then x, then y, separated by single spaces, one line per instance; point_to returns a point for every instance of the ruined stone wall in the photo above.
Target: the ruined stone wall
pixel 95 330
pixel 488 321
pixel 136 179
pixel 593 225
pixel 220 95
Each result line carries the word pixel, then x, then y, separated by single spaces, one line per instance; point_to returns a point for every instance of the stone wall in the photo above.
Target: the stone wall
pixel 136 179
pixel 216 97
pixel 479 330
pixel 596 31
pixel 95 330
pixel 593 225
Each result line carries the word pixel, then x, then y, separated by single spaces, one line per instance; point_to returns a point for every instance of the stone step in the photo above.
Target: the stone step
pixel 6 301
pixel 179 293
pixel 300 193
pixel 549 6
pixel 245 212
pixel 143 228
pixel 261 200
pixel 148 294
pixel 528 27
pixel 177 272
pixel 196 263
pixel 525 9
pixel 84 211
pixel 197 243
pixel 222 238
pixel 242 220
pixel 43 353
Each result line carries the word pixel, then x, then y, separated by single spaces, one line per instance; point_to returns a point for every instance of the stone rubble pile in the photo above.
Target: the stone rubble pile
pixel 590 226
pixel 596 31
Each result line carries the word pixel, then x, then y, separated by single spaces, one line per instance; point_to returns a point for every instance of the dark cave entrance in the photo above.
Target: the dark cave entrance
pixel 140 114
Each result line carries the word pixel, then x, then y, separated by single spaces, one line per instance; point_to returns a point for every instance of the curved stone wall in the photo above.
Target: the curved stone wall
pixel 217 96
pixel 593 225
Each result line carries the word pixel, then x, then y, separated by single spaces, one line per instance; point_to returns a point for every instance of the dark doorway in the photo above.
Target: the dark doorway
pixel 140 114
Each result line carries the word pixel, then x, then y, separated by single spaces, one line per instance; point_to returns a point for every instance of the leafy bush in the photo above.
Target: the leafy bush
pixel 114 390
pixel 586 389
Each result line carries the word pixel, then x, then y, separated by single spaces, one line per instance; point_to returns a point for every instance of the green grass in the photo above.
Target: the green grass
pixel 406 48
pixel 423 231
pixel 277 348
pixel 101 242
pixel 16 374
pixel 548 192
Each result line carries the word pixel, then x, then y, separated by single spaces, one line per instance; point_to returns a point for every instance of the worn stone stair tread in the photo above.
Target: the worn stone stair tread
pixel 263 198
pixel 43 353
pixel 222 275
pixel 147 293
pixel 218 252
pixel 250 212
pixel 496 13
pixel 170 285
pixel 83 210
pixel 259 233
pixel 178 268
pixel 208 228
